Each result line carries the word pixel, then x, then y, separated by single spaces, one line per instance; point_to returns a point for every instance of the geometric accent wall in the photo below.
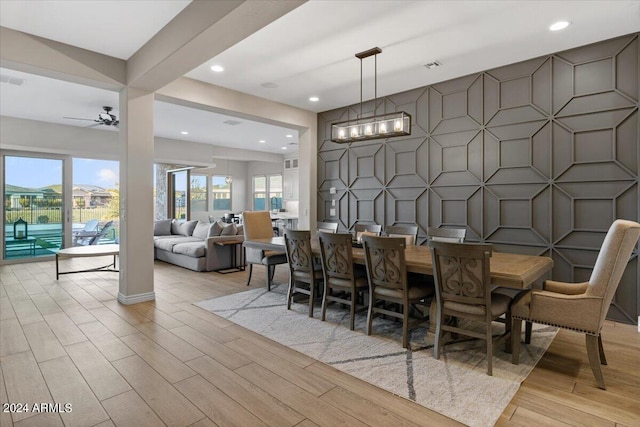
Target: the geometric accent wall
pixel 537 157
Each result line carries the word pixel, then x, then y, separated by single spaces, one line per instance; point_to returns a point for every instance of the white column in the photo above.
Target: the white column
pixel 136 196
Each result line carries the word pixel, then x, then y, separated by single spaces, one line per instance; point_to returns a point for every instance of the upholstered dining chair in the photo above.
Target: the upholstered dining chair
pixel 257 225
pixel 339 273
pixel 463 290
pixel 581 307
pixel 328 227
pixel 387 275
pixel 450 235
pixel 366 230
pixel 408 232
pixel 304 274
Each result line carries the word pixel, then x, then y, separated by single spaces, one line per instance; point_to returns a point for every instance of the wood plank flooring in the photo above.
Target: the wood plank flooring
pixel 168 362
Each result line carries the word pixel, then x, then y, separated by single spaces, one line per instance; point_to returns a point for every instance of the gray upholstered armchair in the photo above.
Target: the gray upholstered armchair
pixel 581 307
pixel 257 225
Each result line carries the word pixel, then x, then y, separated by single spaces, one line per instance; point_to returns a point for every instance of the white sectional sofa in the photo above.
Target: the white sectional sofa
pixel 191 244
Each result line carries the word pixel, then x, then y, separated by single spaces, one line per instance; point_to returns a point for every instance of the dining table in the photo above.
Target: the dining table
pixel 508 270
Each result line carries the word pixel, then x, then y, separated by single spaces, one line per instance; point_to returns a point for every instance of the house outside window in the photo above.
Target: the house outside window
pixel 221 193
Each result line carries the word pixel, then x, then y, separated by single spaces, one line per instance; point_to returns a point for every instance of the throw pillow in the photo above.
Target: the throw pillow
pixel 240 230
pixel 202 230
pixel 216 229
pixel 162 227
pixel 184 228
pixel 229 230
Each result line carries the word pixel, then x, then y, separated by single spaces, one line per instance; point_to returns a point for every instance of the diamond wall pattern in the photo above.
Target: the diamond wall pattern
pixel 537 157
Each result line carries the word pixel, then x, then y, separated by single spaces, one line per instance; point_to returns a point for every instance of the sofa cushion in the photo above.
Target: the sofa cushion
pixel 216 229
pixel 201 231
pixel 229 230
pixel 184 228
pixel 192 249
pixel 240 229
pixel 168 243
pixel 162 227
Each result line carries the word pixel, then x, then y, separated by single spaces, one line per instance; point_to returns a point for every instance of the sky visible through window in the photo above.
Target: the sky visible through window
pixel 32 172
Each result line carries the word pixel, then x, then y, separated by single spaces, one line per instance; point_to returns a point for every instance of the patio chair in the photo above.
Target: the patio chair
pixel 90 229
pixel 94 238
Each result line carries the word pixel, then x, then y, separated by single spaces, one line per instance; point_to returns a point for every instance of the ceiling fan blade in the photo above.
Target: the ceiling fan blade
pixel 78 118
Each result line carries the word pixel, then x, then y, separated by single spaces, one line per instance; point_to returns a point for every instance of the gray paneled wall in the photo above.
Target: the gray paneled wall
pixel 537 157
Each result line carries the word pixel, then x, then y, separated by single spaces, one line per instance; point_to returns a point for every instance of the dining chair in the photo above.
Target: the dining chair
pixel 387 276
pixel 463 290
pixel 257 225
pixel 339 273
pixel 328 227
pixel 304 273
pixel 450 235
pixel 366 230
pixel 408 232
pixel 581 307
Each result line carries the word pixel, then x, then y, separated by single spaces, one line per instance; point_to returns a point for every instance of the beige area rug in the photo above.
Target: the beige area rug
pixel 456 385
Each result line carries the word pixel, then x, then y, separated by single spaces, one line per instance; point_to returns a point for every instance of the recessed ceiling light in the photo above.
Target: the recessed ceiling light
pixel 289 135
pixel 217 68
pixel 314 99
pixel 184 132
pixel 262 141
pixel 284 148
pixel 560 25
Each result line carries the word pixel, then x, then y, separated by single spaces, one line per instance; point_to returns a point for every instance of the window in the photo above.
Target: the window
pixel 275 191
pixel 259 193
pixel 221 193
pixel 198 193
pixel 267 192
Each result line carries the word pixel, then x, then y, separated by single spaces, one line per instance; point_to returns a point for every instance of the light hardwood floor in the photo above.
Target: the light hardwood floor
pixel 169 362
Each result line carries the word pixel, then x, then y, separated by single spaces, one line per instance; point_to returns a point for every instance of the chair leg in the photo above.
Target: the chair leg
pixel 324 303
pixel 370 315
pixel 436 342
pixel 528 327
pixel 250 271
pixel 290 293
pixel 594 359
pixel 352 310
pixel 516 330
pixel 603 359
pixel 489 338
pixel 269 276
pixel 405 325
pixel 311 295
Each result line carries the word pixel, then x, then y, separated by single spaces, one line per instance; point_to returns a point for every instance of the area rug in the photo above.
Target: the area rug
pixel 456 385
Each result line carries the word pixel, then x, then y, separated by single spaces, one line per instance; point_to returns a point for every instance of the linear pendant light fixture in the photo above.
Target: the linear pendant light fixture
pixel 374 127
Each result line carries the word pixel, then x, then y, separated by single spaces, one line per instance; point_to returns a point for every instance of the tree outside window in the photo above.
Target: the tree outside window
pixel 198 193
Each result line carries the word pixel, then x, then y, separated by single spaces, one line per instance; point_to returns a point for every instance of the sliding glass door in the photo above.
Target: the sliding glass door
pixel 34 206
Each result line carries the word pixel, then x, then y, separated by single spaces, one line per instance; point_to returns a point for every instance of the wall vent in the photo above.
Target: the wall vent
pixel 232 122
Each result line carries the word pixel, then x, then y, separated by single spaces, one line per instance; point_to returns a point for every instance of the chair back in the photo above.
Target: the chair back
pixel 95 239
pixel 612 260
pixel 337 256
pixel 384 257
pixel 257 225
pixel 328 227
pixel 449 235
pixel 366 230
pixel 298 249
pixel 91 225
pixel 409 233
pixel 461 273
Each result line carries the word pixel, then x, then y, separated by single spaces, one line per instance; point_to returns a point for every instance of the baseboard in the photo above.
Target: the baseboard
pixel 134 299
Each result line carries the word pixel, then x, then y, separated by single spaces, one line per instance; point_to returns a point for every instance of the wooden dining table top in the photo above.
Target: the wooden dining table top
pixel 507 269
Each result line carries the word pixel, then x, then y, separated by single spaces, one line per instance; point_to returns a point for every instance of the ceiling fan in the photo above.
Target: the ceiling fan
pixel 104 118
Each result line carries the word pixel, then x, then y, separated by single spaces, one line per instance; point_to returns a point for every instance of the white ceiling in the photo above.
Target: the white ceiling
pixel 309 51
